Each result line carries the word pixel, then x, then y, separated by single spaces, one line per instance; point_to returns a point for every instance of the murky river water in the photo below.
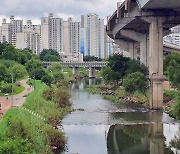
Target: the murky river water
pixel 101 127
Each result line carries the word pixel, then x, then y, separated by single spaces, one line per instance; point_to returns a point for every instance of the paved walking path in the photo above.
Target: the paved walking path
pixel 18 99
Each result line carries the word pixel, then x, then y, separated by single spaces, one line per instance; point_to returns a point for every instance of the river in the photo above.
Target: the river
pixel 98 126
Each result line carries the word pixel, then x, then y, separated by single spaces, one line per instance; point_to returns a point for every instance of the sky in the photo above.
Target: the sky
pixel 35 9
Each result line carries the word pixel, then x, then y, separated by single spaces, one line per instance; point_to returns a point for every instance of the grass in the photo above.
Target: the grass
pixel 94 89
pixel 37 103
pixel 17 90
pixel 22 132
pixel 174 108
pixel 119 94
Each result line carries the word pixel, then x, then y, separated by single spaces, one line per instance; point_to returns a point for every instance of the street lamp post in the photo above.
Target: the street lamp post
pixel 12 75
pixel 34 79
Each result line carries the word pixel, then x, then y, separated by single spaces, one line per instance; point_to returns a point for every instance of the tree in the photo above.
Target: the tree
pixel 136 66
pixel 18 71
pixel 49 55
pixel 58 76
pixel 46 79
pixel 56 67
pixel 172 68
pixel 136 82
pixel 119 64
pixel 33 64
pixel 3 72
pixel 110 75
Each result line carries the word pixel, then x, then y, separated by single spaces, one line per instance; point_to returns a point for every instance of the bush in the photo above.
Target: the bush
pixel 175 109
pixel 55 137
pixel 61 97
pixel 136 82
pixel 6 88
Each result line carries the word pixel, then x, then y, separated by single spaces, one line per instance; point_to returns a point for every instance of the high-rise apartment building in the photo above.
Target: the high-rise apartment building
pixel 30 37
pixel 16 26
pixel 71 37
pixel 62 36
pixel 9 30
pixel 93 36
pixel 52 33
pixel 71 41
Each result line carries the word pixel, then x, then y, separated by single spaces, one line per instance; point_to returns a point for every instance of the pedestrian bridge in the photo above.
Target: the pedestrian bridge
pixel 75 66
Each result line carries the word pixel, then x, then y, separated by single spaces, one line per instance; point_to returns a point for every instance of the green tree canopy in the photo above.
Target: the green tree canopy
pixel 136 66
pixel 136 82
pixel 49 55
pixel 172 68
pixel 56 67
pixel 110 75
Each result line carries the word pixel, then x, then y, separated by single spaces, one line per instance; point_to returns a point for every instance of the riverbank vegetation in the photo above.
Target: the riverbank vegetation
pixel 33 128
pixel 172 72
pixel 23 132
pixel 124 80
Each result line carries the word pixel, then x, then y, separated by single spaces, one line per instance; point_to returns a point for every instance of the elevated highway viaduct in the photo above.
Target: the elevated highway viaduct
pixel 145 22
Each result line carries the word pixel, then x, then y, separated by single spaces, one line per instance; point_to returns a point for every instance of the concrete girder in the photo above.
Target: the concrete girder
pixel 139 37
pixel 120 24
pixel 127 46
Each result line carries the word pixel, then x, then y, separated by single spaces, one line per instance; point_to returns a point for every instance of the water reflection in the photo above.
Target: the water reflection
pixel 137 139
pixel 101 127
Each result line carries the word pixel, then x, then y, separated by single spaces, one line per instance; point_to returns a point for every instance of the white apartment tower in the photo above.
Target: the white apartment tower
pixel 9 30
pixel 71 33
pixel 5 31
pixel 29 38
pixel 16 26
pixel 52 33
pixel 93 33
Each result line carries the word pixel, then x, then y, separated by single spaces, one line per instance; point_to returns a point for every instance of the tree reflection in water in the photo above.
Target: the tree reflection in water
pixel 137 139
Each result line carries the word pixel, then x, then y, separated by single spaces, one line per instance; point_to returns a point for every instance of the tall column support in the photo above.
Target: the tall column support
pixel 75 71
pixel 156 62
pixel 92 72
pixel 144 51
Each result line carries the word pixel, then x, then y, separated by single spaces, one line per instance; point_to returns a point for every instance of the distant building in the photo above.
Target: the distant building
pixel 21 36
pixel 71 37
pixel 29 38
pixel 62 36
pixel 174 37
pixel 52 33
pixel 94 40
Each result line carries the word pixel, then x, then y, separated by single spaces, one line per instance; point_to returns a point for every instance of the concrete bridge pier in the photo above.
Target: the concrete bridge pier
pixel 144 50
pixel 156 139
pixel 156 62
pixel 92 72
pixel 75 71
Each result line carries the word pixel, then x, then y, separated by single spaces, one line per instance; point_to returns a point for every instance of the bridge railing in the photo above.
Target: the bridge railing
pixel 79 64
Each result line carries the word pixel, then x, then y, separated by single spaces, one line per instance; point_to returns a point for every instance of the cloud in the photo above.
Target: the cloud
pixel 35 9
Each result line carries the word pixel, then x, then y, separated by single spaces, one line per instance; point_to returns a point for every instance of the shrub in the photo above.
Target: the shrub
pixel 61 97
pixel 55 137
pixel 175 110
